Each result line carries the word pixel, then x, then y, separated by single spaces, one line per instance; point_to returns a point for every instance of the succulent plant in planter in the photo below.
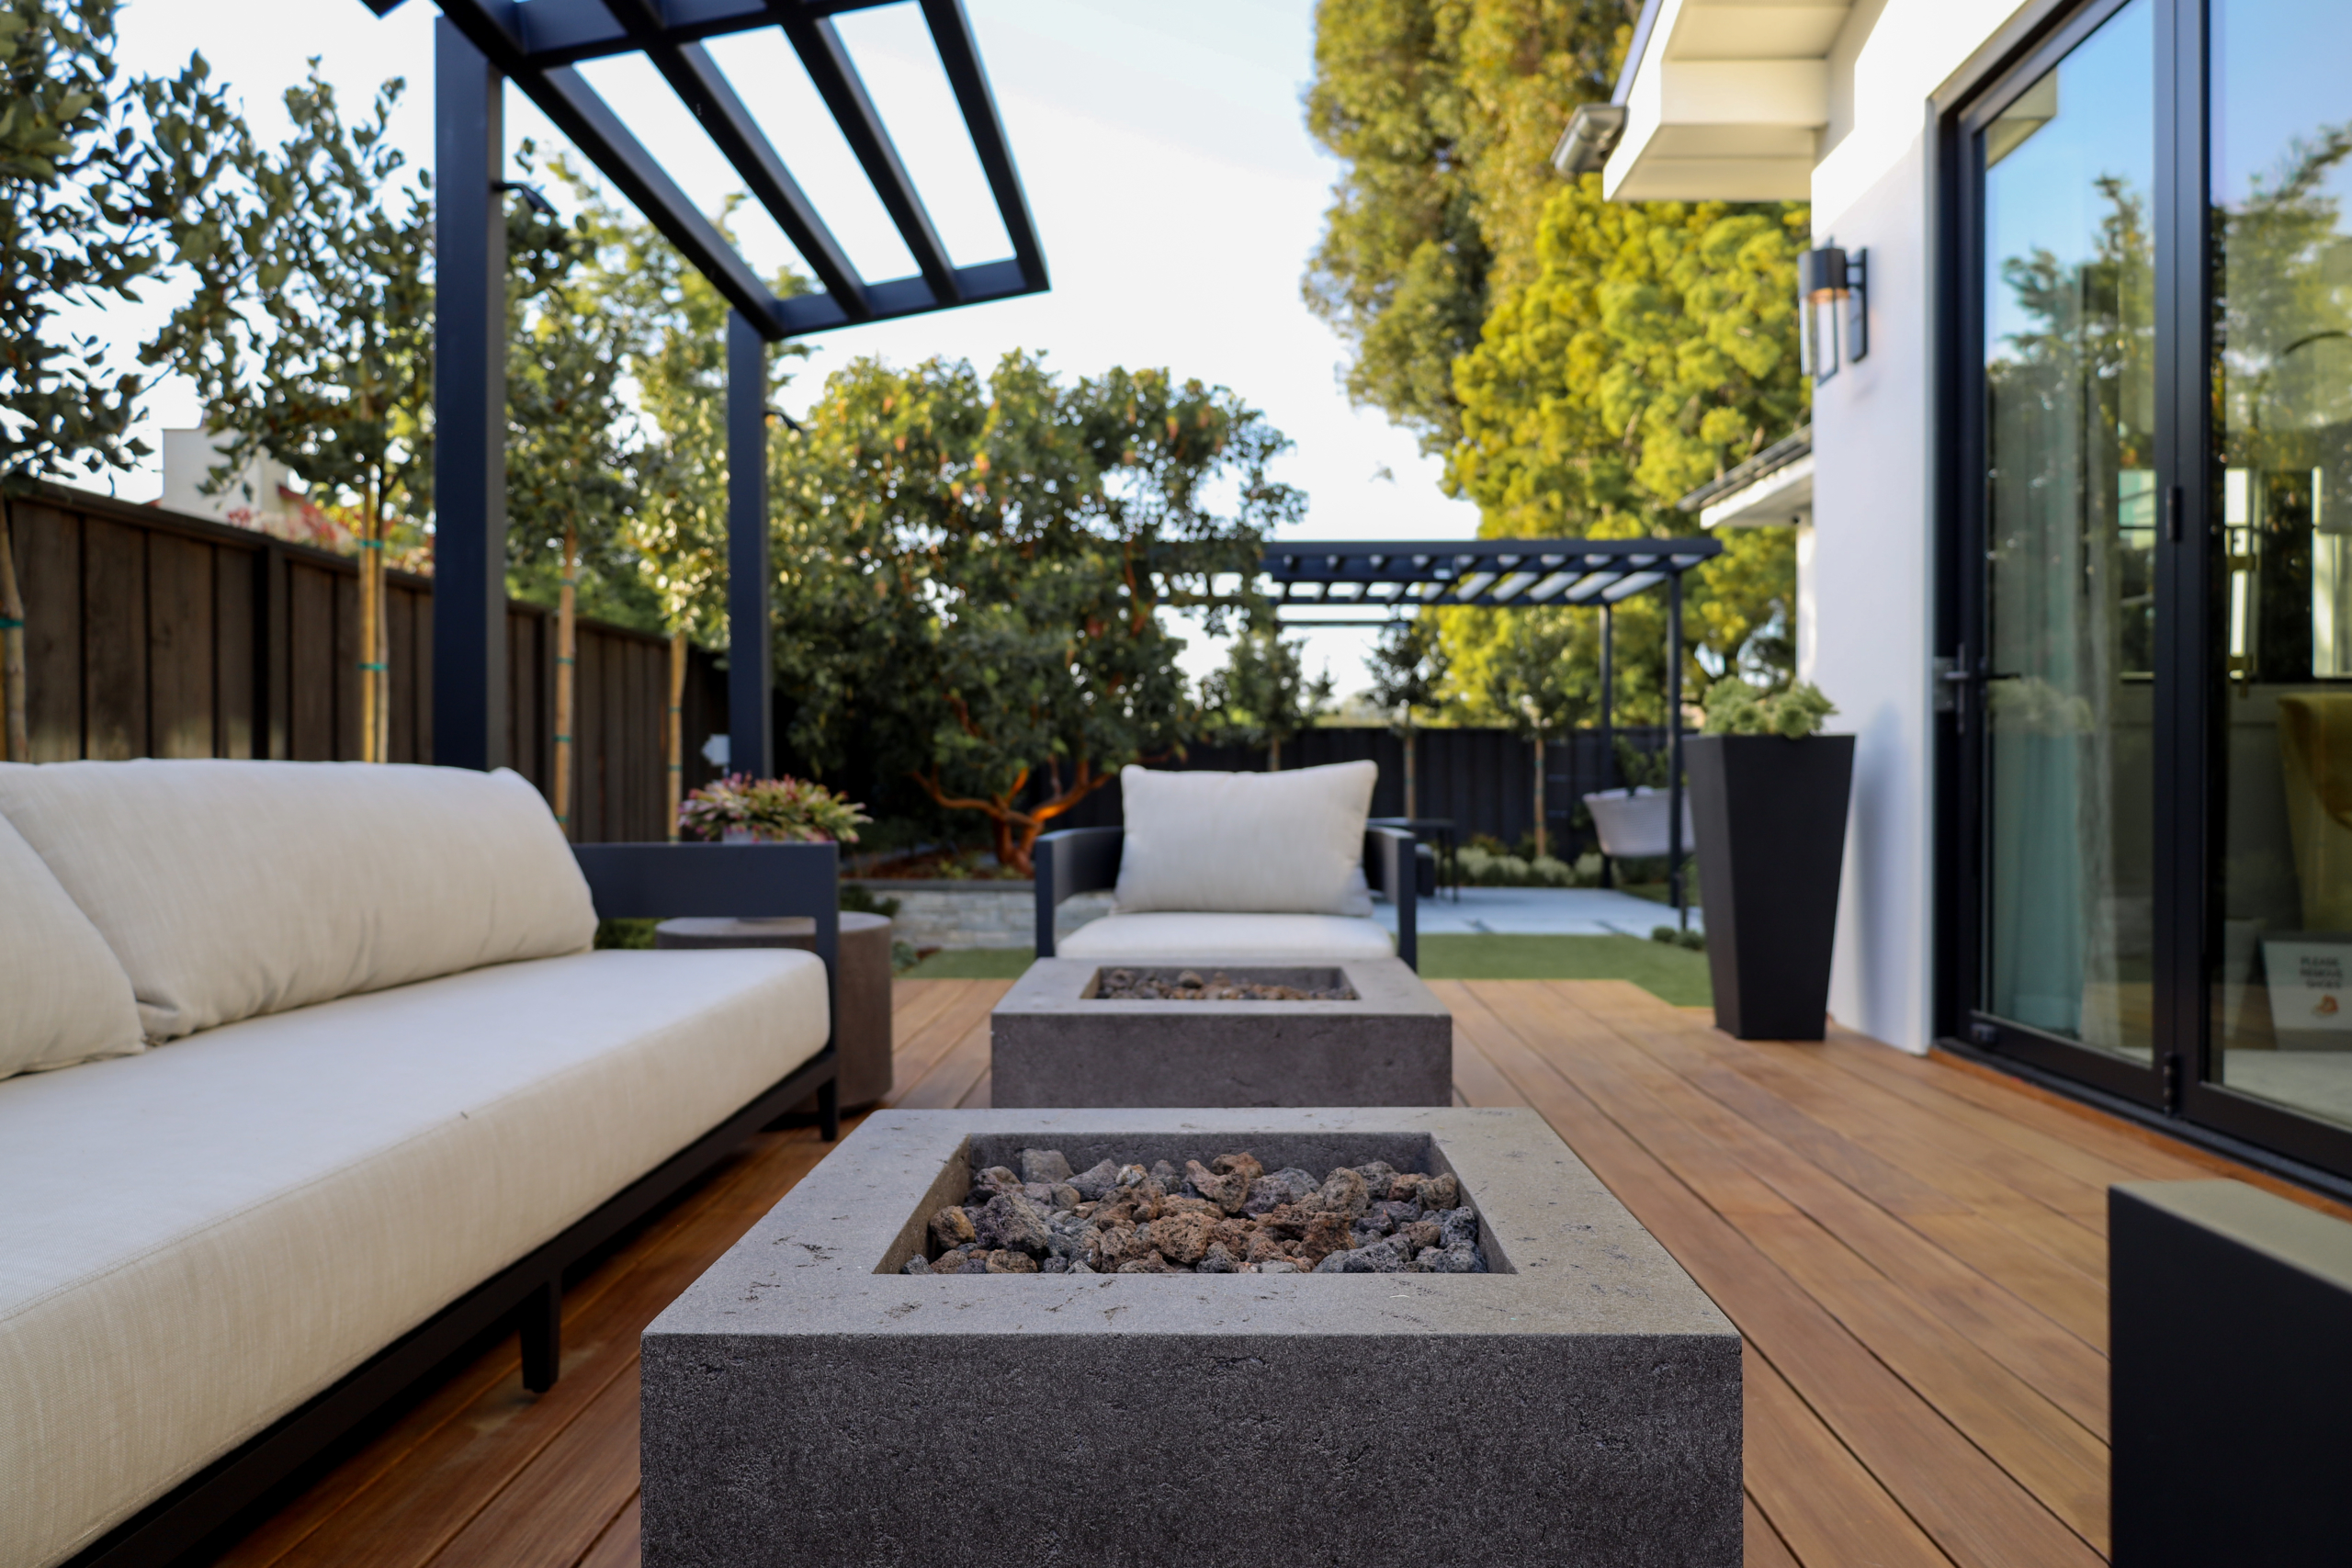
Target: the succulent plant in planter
pixel 743 810
pixel 1769 796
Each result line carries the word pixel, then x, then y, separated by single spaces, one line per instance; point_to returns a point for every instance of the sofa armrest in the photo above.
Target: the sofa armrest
pixel 1076 860
pixel 1392 865
pixel 740 881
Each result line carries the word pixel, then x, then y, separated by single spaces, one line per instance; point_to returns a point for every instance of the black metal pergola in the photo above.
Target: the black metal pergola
pixel 1384 580
pixel 480 45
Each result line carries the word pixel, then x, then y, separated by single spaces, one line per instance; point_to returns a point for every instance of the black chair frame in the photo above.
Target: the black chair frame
pixel 1086 860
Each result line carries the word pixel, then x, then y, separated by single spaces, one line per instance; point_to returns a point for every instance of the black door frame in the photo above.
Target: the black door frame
pixel 1962 673
pixel 2191 766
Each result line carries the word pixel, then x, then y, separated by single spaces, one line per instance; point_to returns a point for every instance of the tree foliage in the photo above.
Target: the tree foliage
pixel 573 449
pixel 1444 112
pixel 310 333
pixel 971 571
pixel 1579 364
pixel 102 187
pixel 1263 696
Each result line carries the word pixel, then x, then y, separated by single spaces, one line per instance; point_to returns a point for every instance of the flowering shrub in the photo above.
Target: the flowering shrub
pixel 777 811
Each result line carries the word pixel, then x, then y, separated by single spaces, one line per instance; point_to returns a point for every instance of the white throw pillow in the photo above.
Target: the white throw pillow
pixel 229 889
pixel 1287 843
pixel 63 996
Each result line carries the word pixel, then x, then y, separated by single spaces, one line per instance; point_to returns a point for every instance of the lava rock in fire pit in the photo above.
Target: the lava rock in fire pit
pixel 1229 1216
pixel 1189 985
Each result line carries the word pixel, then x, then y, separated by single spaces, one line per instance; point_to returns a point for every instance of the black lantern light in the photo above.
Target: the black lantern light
pixel 1833 290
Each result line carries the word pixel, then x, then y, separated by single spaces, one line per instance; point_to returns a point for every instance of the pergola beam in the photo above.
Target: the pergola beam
pixel 1493 573
pixel 565 32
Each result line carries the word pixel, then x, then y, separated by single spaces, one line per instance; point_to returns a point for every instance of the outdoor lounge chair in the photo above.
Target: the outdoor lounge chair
pixel 1236 868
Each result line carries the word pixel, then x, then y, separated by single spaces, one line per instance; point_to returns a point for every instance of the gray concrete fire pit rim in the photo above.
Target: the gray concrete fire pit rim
pixel 1582 1265
pixel 1383 986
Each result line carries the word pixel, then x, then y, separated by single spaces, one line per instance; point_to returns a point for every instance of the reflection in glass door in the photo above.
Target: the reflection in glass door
pixel 2069 530
pixel 2281 690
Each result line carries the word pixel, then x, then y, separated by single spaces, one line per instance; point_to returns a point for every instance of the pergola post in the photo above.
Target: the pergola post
pixel 469 716
pixel 1674 747
pixel 1608 721
pixel 750 745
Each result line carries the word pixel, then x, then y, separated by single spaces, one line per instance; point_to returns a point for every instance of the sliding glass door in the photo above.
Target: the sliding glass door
pixel 2059 674
pixel 2153 676
pixel 2278 692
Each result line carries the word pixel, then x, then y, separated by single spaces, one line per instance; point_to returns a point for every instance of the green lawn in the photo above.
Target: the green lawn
pixel 1671 974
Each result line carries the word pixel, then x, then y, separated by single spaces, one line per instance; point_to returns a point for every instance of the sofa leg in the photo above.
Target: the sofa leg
pixel 542 1326
pixel 829 1107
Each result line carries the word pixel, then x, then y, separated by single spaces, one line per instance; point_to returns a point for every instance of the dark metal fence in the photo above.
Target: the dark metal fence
pixel 153 634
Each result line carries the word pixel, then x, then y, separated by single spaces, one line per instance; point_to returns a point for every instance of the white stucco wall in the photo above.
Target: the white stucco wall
pixel 1872 551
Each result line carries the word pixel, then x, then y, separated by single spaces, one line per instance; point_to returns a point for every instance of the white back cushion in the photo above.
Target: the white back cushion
pixel 230 889
pixel 1258 843
pixel 63 996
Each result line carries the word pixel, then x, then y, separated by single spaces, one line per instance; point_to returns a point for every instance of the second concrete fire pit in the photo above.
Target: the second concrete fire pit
pixel 1053 1041
pixel 807 1405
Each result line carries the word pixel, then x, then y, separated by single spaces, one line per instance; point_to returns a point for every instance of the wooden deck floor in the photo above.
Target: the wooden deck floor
pixel 1914 1250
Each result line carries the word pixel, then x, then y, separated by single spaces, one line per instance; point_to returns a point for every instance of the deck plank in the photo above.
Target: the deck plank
pixel 1911 1246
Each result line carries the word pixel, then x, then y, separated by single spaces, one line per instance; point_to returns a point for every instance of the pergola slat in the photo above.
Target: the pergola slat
pixel 838 83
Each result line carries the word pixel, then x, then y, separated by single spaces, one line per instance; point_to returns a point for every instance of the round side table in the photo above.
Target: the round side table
pixel 861 990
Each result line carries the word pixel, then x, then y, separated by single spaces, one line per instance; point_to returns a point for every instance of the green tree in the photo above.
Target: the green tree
pixel 1444 113
pixel 971 573
pixel 1263 697
pixel 103 184
pixel 1537 691
pixel 309 336
pixel 1409 669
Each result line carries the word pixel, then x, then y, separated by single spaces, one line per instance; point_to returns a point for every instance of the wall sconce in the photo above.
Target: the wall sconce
pixel 1833 300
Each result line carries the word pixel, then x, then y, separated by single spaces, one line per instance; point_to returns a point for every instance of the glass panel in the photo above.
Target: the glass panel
pixel 2282 174
pixel 2069 341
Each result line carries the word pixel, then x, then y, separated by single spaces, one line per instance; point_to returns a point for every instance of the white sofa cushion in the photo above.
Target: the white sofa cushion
pixel 1285 843
pixel 1225 938
pixel 232 889
pixel 196 1240
pixel 63 996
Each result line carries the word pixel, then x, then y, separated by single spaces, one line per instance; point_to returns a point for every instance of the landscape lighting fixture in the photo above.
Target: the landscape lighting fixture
pixel 533 197
pixel 1833 290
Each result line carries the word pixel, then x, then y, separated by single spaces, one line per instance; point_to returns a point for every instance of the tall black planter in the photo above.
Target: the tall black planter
pixel 1770 817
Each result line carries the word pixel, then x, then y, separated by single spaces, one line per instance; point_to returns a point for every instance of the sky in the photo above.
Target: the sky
pixel 1163 149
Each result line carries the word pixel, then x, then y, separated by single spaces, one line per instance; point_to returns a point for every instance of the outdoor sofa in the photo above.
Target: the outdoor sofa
pixel 1236 868
pixel 310 1080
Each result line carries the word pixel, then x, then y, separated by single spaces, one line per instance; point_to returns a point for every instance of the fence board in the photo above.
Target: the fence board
pixel 48 574
pixel 114 663
pixel 235 628
pixel 180 649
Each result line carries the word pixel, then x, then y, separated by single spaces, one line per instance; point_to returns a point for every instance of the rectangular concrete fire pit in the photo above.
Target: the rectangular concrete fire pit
pixel 1052 1042
pixel 808 1404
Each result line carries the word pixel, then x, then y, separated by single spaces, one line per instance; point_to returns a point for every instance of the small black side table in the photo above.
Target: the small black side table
pixel 862 989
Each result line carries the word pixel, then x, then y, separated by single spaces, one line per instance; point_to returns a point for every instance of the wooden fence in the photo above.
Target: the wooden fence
pixel 154 634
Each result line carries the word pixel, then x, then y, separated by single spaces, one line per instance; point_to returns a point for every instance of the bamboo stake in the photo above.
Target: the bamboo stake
pixel 17 745
pixel 371 663
pixel 674 734
pixel 565 661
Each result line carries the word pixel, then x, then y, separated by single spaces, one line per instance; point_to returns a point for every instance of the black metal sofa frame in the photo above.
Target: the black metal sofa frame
pixel 625 880
pixel 1086 860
